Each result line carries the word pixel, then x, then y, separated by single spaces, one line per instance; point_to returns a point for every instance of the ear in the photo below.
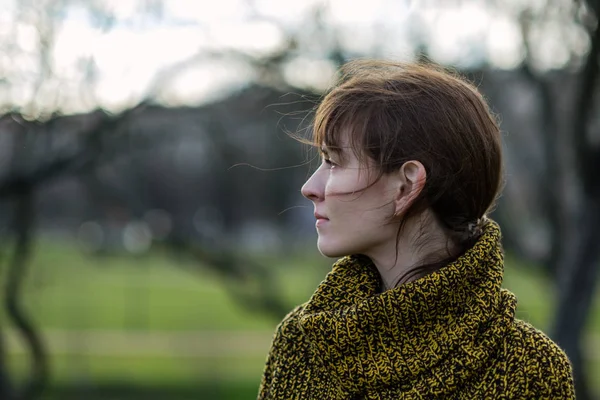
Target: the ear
pixel 410 180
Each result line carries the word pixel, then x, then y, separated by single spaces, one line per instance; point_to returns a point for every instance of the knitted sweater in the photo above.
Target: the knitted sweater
pixel 451 334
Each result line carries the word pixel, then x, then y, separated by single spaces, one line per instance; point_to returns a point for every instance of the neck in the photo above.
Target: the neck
pixel 417 251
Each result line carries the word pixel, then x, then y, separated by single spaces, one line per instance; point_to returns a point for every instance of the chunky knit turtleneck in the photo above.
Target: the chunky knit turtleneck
pixel 450 334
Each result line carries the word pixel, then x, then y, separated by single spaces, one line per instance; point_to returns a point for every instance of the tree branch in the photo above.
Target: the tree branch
pixel 595 6
pixel 16 274
pixel 583 106
pixel 251 284
pixel 5 381
pixel 86 156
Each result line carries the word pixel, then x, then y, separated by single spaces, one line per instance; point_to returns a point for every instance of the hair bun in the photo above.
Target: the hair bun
pixel 475 228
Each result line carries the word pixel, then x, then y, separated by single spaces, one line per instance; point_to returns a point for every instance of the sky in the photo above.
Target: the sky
pixel 139 47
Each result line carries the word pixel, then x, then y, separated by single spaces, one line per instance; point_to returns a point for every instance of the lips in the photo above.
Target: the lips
pixel 319 216
pixel 321 220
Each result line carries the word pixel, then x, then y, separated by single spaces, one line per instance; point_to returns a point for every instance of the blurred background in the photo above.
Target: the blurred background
pixel 152 228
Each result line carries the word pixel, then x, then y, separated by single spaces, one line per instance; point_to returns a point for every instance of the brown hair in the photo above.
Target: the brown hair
pixel 397 112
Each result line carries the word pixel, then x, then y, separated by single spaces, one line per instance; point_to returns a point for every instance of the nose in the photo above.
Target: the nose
pixel 313 188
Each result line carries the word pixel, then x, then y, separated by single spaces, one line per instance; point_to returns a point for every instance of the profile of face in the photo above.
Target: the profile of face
pixel 354 210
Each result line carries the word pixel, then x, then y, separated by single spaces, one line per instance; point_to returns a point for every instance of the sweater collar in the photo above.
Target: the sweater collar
pixel 450 320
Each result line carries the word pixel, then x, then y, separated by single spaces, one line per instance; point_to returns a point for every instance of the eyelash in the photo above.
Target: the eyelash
pixel 329 162
pixel 327 159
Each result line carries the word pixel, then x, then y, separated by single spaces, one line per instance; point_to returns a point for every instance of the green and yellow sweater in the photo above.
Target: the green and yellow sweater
pixel 451 334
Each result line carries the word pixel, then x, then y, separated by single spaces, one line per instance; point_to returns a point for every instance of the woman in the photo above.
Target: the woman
pixel 411 166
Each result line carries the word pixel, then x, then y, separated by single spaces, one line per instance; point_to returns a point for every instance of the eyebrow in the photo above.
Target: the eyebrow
pixel 326 150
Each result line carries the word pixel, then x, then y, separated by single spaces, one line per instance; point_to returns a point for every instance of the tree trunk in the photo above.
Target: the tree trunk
pixel 576 288
pixel 5 383
pixel 551 194
pixel 16 274
pixel 579 270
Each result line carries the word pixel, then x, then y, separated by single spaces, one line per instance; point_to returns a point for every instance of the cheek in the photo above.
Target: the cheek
pixel 335 186
pixel 364 209
pixel 344 183
pixel 378 205
pixel 346 196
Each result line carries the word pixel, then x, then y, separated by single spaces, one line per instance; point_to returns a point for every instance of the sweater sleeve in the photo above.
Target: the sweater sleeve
pixel 274 356
pixel 267 376
pixel 561 385
pixel 538 367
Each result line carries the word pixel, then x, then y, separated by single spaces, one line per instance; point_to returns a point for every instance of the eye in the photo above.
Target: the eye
pixel 328 161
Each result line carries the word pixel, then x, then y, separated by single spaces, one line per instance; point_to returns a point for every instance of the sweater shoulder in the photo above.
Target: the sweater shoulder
pixel 541 366
pixel 535 343
pixel 288 328
pixel 285 347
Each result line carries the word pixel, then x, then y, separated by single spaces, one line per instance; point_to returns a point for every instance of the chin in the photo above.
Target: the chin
pixel 333 250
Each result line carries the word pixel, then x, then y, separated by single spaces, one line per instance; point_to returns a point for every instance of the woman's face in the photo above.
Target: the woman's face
pixel 350 218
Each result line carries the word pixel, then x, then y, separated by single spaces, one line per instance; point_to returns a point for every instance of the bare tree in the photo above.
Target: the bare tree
pixel 99 142
pixel 579 267
pixel 569 191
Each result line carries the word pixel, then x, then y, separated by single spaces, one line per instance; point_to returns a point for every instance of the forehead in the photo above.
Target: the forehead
pixel 340 145
pixel 345 153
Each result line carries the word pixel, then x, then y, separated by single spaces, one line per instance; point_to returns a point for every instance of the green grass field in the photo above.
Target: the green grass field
pixel 152 327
